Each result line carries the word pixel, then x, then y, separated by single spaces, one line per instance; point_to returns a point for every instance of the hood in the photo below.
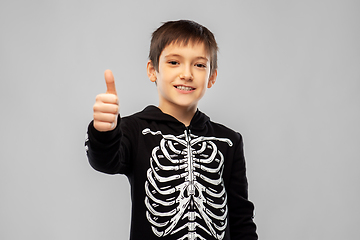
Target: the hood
pixel 198 122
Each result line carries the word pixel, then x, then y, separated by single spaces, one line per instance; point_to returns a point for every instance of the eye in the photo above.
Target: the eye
pixel 200 65
pixel 173 63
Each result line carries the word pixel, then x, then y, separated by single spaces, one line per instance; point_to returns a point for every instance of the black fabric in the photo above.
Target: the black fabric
pixel 178 175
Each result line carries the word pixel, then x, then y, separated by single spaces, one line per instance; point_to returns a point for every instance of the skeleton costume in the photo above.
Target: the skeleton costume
pixel 186 182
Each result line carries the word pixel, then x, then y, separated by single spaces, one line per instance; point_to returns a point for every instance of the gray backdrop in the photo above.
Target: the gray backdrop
pixel 289 81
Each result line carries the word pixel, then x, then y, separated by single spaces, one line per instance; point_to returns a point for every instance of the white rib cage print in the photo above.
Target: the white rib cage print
pixel 185 192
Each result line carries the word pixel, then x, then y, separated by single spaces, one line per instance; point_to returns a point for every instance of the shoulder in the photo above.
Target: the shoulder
pixel 135 116
pixel 149 113
pixel 224 131
pixel 129 122
pixel 141 118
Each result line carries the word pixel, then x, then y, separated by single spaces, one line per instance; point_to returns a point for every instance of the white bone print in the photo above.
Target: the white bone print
pixel 185 190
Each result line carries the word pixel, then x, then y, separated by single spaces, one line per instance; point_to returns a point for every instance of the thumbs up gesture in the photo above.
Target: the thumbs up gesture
pixel 106 107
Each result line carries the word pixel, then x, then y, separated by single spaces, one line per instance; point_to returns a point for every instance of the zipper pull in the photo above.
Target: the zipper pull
pixel 187 133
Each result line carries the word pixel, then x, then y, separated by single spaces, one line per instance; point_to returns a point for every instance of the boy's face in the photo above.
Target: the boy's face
pixel 183 76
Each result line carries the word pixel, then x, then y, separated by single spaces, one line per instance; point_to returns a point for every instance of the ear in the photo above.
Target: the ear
pixel 212 79
pixel 151 72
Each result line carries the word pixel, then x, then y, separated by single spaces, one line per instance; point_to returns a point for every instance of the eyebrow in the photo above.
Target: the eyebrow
pixel 177 55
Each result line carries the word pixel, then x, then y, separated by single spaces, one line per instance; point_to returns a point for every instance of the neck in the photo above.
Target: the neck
pixel 183 115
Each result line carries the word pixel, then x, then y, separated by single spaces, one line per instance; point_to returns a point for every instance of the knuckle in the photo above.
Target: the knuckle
pixel 98 97
pixel 97 108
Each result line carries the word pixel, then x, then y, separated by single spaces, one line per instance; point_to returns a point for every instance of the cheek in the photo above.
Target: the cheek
pixel 166 73
pixel 204 76
pixel 203 73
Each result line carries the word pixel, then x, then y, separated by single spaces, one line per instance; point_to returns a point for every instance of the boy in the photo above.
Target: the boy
pixel 187 174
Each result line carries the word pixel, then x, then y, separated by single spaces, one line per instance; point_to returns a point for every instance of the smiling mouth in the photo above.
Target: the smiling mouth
pixel 184 88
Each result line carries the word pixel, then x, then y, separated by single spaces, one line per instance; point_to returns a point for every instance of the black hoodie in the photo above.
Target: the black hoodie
pixel 186 182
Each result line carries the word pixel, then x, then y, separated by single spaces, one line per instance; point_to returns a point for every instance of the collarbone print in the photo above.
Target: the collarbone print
pixel 185 193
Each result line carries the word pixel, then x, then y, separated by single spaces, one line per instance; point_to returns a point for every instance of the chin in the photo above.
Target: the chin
pixel 187 106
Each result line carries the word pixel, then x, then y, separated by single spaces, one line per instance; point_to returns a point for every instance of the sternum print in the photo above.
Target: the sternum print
pixel 190 160
pixel 185 194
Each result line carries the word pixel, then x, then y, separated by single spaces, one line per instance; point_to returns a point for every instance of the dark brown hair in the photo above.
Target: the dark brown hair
pixel 182 32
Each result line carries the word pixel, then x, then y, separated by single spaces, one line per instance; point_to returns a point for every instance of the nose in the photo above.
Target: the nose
pixel 186 74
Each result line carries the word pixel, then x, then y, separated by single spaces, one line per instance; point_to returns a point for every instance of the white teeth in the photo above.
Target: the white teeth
pixel 184 88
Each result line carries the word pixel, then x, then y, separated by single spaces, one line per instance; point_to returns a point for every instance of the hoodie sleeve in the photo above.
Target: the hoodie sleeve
pixel 108 152
pixel 241 210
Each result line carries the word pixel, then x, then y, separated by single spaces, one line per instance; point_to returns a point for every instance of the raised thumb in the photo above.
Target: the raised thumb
pixel 110 82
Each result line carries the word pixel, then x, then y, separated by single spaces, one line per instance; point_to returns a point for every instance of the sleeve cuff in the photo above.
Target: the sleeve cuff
pixel 104 137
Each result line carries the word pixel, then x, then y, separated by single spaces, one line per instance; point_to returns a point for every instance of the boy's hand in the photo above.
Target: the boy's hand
pixel 106 107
